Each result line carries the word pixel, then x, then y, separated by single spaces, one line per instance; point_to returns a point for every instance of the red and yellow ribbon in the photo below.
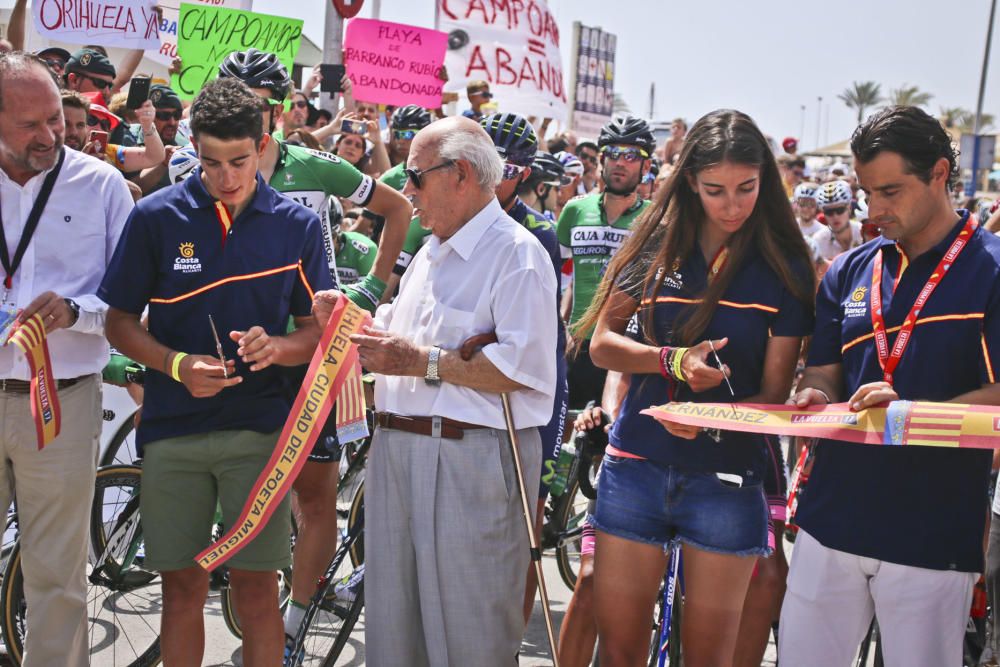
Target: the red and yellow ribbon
pixel 920 423
pixel 333 367
pixel 30 337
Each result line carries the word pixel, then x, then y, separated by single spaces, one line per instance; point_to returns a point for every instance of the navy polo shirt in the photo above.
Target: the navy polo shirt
pixel 919 506
pixel 171 256
pixel 754 307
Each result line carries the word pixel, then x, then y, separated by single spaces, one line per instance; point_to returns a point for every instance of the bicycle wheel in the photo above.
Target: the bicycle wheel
pixel 335 607
pixel 124 601
pixel 571 512
pixel 121 450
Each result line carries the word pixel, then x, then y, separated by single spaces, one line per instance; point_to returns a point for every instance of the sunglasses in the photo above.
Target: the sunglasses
pixel 589 157
pixel 415 175
pixel 103 84
pixel 512 171
pixel 300 104
pixel 631 154
pixel 55 63
pixel 835 210
pixel 94 121
pixel 806 201
pixel 176 114
pixel 403 135
pixel 485 93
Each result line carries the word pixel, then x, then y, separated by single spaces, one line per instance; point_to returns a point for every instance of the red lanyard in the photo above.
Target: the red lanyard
pixel 718 262
pixel 225 220
pixel 887 359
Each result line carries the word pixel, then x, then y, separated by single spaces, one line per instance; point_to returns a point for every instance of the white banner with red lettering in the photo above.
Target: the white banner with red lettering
pixel 167 48
pixel 513 45
pixel 130 24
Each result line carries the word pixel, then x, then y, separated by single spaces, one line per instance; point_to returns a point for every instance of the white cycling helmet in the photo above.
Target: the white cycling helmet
pixel 834 193
pixel 182 163
pixel 571 163
pixel 861 213
pixel 805 189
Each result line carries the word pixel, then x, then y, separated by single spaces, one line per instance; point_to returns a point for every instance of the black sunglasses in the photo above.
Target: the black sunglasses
pixel 300 104
pixel 835 210
pixel 416 174
pixel 100 83
pixel 176 114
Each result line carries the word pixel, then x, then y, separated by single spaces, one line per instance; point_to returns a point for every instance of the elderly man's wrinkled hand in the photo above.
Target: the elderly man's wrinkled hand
pixel 388 354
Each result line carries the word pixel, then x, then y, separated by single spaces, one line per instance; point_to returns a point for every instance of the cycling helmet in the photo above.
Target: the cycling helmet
pixel 182 164
pixel 861 212
pixel 547 169
pixel 805 189
pixel 258 69
pixel 833 193
pixel 335 214
pixel 410 117
pixel 627 130
pixel 513 136
pixel 571 163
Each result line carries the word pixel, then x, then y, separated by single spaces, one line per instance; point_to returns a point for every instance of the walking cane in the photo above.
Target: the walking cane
pixel 466 351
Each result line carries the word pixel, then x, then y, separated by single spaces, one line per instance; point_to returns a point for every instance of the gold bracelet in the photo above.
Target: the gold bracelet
pixel 175 366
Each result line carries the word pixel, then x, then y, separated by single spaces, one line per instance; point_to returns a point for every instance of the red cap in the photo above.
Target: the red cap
pixel 790 144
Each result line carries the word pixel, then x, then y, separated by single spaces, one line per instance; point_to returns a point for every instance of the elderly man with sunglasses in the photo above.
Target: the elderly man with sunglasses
pixel 169 111
pixel 445 541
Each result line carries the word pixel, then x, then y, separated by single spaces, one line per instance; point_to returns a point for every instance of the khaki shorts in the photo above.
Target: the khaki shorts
pixel 183 481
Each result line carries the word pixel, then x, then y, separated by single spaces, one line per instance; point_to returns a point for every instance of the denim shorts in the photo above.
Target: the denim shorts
pixel 653 503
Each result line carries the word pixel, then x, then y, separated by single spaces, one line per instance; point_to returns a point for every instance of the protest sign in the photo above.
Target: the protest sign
pixel 167 48
pixel 130 24
pixel 392 63
pixel 207 34
pixel 592 92
pixel 512 45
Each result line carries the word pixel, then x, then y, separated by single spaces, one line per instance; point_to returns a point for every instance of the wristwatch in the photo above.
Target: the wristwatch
pixel 74 308
pixel 431 377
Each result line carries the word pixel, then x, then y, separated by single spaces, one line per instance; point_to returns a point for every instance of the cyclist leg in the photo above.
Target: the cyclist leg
pixel 922 614
pixel 578 633
pixel 182 625
pixel 552 440
pixel 586 381
pixel 827 607
pixel 315 508
pixel 255 594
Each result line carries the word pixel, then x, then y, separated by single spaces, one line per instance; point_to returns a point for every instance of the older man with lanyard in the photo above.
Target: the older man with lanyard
pixel 913 315
pixel 445 540
pixel 54 252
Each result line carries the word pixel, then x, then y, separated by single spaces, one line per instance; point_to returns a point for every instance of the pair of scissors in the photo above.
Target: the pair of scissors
pixel 716 434
pixel 218 347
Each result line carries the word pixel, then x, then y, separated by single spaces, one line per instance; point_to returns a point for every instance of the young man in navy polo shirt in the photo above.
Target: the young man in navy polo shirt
pixel 897 531
pixel 223 244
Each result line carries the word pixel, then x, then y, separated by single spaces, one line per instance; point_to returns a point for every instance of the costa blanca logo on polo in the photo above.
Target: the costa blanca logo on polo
pixel 187 262
pixel 857 305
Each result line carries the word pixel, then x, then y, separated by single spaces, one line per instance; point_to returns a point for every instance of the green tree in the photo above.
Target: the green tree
pixel 862 95
pixel 909 96
pixel 965 120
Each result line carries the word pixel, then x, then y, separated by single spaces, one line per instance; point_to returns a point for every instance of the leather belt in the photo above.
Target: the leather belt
pixel 436 427
pixel 24 386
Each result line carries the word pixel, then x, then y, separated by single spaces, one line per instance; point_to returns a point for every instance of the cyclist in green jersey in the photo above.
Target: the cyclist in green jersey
pixel 592 228
pixel 309 177
pixel 355 252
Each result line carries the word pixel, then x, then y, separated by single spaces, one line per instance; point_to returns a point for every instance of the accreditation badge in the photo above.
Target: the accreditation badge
pixel 8 318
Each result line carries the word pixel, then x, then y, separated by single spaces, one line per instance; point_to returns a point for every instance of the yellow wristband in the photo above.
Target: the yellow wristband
pixel 678 357
pixel 175 366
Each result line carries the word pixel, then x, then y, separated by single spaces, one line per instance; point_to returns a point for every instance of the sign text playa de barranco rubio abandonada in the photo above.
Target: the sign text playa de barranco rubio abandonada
pixel 513 45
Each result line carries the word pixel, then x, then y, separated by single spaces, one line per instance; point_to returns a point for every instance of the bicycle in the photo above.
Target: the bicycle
pixel 118 585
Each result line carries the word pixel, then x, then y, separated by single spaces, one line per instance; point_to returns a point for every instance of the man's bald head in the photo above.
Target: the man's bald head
pixel 459 138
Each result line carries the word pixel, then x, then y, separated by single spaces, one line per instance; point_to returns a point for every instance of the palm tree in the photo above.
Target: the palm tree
pixel 909 96
pixel 965 120
pixel 862 95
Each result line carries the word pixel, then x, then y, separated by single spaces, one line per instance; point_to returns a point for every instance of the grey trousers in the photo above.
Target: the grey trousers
pixel 446 548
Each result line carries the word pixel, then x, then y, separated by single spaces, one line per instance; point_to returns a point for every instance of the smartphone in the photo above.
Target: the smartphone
pixel 138 92
pixel 99 140
pixel 348 126
pixel 332 74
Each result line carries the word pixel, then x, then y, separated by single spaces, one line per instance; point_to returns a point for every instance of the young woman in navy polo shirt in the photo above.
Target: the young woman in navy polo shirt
pixel 717 260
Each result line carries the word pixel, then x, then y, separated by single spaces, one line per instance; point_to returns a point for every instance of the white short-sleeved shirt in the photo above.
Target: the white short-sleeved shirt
pixel 812 228
pixel 68 254
pixel 491 275
pixel 830 247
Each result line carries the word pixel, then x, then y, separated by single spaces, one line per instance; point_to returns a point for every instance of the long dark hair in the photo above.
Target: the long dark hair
pixel 676 217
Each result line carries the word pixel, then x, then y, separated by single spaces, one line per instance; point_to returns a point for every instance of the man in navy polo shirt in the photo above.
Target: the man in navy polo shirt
pixel 897 531
pixel 222 244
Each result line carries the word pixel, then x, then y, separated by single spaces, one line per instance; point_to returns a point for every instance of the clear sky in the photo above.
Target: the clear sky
pixel 764 57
